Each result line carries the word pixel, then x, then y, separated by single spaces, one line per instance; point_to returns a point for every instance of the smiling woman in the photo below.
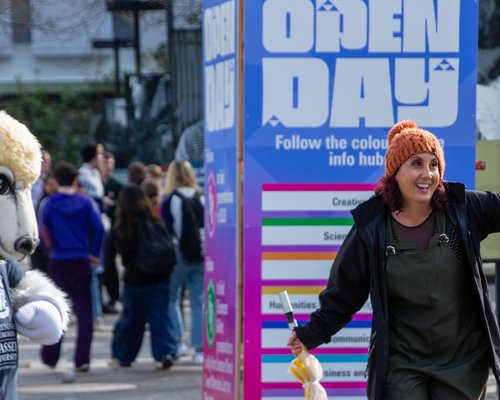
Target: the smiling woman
pixel 414 250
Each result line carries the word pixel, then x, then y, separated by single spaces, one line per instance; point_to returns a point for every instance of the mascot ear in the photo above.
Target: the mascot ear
pixel 22 152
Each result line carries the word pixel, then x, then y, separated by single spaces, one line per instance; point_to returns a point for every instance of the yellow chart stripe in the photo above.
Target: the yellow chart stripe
pixel 267 255
pixel 292 289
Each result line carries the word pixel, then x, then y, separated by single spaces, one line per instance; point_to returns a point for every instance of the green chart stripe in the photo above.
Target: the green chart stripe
pixel 306 221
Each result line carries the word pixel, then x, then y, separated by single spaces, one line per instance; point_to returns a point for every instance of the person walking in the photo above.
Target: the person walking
pixel 72 229
pixel 414 249
pixel 182 212
pixel 151 190
pixel 90 174
pixel 136 172
pixel 40 257
pixel 112 186
pixel 91 184
pixel 37 190
pixel 110 278
pixel 145 295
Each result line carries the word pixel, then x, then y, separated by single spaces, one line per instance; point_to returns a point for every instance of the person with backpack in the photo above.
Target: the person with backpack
pixel 182 212
pixel 148 257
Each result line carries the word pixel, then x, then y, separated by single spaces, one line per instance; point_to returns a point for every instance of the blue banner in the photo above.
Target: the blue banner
pixel 221 344
pixel 325 80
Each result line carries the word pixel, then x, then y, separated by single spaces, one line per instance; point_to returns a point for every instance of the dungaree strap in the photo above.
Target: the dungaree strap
pixel 395 246
pixel 441 237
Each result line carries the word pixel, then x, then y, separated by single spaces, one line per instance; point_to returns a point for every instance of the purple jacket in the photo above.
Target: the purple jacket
pixel 73 226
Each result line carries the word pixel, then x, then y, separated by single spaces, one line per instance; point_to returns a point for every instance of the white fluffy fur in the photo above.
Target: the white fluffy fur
pixel 37 286
pixel 20 163
pixel 20 150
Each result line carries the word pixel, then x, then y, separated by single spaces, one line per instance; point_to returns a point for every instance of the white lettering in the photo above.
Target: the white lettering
pixel 362 90
pixel 428 98
pixel 379 25
pixel 295 142
pixel 219 30
pixel 288 26
pixel 295 92
pixel 384 26
pixel 220 74
pixel 356 91
pixel 431 25
pixel 219 95
pixel 330 37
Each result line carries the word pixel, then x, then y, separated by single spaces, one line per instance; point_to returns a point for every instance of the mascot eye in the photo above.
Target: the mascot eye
pixel 4 184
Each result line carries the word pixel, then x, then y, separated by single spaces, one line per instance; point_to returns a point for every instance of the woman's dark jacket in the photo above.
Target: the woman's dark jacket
pixel 359 271
pixel 127 248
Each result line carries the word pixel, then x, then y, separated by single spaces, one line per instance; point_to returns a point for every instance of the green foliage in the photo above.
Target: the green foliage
pixel 60 121
pixel 160 55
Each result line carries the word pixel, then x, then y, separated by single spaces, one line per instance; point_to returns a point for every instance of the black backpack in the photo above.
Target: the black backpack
pixel 155 250
pixel 191 241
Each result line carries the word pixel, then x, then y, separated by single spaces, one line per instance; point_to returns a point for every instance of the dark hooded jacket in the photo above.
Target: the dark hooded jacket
pixel 359 271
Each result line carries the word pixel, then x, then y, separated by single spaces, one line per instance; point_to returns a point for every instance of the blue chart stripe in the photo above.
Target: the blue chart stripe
pixel 323 358
pixel 284 325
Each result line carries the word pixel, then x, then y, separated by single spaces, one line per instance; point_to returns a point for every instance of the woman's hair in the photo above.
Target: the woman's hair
pixel 154 171
pixel 131 208
pixel 136 172
pixel 150 188
pixel 388 188
pixel 180 174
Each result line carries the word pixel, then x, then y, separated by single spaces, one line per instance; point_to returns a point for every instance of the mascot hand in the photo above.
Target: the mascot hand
pixel 40 321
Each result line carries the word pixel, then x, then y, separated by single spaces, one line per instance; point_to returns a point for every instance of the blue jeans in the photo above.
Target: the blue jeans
pixel 191 274
pixel 141 305
pixel 96 293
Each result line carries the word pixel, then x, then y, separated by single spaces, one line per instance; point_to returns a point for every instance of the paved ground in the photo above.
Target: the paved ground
pixel 140 382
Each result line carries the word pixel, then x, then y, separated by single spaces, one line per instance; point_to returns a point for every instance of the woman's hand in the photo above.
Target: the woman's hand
pixel 294 344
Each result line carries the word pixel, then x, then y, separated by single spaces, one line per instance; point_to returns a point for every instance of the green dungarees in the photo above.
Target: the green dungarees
pixel 437 351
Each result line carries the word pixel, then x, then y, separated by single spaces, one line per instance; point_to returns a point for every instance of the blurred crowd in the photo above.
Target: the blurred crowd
pixel 89 224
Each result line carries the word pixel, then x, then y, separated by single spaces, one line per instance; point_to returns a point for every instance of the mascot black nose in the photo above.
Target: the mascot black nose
pixel 25 245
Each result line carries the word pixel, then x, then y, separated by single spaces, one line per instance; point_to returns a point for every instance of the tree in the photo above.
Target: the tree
pixel 59 121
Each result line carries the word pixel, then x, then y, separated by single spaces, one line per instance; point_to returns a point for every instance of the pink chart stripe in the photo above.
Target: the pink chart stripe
pixel 307 214
pixel 302 318
pixel 317 187
pixel 307 249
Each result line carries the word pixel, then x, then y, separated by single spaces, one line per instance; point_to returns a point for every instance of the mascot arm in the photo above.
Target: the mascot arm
pixel 41 309
pixel 40 321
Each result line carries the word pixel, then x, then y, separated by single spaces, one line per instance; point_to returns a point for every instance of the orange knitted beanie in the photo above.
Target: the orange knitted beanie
pixel 406 140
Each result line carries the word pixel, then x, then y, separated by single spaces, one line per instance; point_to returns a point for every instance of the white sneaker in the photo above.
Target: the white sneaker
pixel 182 350
pixel 198 358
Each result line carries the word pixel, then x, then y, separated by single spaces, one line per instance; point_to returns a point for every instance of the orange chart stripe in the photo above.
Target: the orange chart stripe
pixel 267 255
pixel 292 289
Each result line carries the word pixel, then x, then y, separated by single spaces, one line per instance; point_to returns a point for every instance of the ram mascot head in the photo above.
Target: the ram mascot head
pixel 20 164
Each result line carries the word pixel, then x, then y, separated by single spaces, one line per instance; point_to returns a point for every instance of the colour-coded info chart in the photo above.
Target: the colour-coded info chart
pixel 303 226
